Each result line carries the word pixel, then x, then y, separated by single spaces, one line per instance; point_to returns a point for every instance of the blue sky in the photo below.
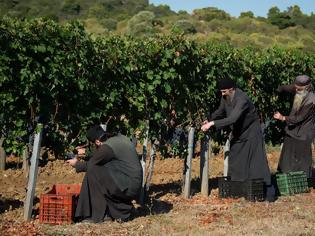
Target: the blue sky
pixel 235 7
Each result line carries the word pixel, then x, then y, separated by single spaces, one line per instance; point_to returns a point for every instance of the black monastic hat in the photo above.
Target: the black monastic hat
pixel 302 80
pixel 226 83
pixel 95 132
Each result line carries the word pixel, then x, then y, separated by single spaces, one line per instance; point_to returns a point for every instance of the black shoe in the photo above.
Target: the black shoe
pixel 271 199
pixel 271 193
pixel 88 221
pixel 107 218
pixel 91 221
pixel 122 220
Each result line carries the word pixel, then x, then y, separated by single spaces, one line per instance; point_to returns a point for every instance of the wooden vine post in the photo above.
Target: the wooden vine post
pixel 188 163
pixel 26 157
pixel 226 150
pixel 204 165
pixel 143 162
pixel 151 166
pixel 28 204
pixel 2 155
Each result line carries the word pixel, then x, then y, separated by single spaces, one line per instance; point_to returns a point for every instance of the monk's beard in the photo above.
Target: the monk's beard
pixel 229 98
pixel 298 98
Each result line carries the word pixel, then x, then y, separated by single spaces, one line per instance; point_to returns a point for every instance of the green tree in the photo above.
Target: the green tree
pixel 141 24
pixel 297 16
pixel 183 13
pixel 247 14
pixel 210 13
pixel 161 10
pixel 184 26
pixel 295 12
pixel 281 19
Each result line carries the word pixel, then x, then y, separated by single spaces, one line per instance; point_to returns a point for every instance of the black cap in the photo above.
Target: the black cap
pixel 226 83
pixel 95 132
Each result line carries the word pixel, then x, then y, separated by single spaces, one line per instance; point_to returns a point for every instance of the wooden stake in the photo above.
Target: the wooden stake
pixel 188 163
pixel 150 171
pixel 2 155
pixel 26 156
pixel 204 165
pixel 28 205
pixel 143 163
pixel 226 150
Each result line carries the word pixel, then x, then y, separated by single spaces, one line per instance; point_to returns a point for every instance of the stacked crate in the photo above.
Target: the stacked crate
pixel 58 205
pixel 311 182
pixel 292 183
pixel 252 190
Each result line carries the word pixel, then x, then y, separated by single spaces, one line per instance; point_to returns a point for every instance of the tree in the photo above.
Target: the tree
pixel 141 24
pixel 297 15
pixel 247 14
pixel 161 10
pixel 281 19
pixel 210 13
pixel 184 26
pixel 273 12
pixel 295 12
pixel 183 13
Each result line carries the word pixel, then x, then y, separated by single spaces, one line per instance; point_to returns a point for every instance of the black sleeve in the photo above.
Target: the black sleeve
pixel 219 113
pixel 80 166
pixel 305 112
pixel 102 155
pixel 286 88
pixel 240 107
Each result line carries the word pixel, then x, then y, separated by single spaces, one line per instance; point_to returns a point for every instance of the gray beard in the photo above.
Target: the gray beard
pixel 298 98
pixel 229 98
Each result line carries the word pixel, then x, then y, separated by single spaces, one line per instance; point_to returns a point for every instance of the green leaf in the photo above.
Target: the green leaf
pixel 167 87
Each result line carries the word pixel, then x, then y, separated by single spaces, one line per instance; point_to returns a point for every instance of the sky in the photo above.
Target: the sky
pixel 235 7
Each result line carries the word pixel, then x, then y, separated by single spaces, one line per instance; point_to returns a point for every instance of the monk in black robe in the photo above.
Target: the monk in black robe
pixel 247 159
pixel 296 153
pixel 113 178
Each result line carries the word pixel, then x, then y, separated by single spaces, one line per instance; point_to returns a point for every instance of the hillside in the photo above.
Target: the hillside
pixel 69 9
pixel 290 28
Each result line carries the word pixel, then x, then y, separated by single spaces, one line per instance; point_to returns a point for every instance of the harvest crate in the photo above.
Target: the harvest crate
pixel 252 190
pixel 58 205
pixel 292 183
pixel 229 188
pixel 311 182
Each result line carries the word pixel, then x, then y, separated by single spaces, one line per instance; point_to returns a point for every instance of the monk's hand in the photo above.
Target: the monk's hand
pixel 278 116
pixel 205 122
pixel 207 126
pixel 72 162
pixel 80 150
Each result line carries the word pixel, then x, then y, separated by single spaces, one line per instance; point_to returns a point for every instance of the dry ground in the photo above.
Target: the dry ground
pixel 166 212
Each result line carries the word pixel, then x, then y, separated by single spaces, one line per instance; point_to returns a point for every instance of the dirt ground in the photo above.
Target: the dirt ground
pixel 165 212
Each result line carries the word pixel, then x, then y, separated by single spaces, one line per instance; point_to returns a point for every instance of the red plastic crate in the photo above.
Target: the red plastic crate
pixel 58 205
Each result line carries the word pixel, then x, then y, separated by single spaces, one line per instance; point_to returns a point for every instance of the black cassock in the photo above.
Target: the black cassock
pixel 247 158
pixel 296 153
pixel 113 179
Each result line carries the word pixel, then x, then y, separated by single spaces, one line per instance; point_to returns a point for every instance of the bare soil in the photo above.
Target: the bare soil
pixel 165 212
